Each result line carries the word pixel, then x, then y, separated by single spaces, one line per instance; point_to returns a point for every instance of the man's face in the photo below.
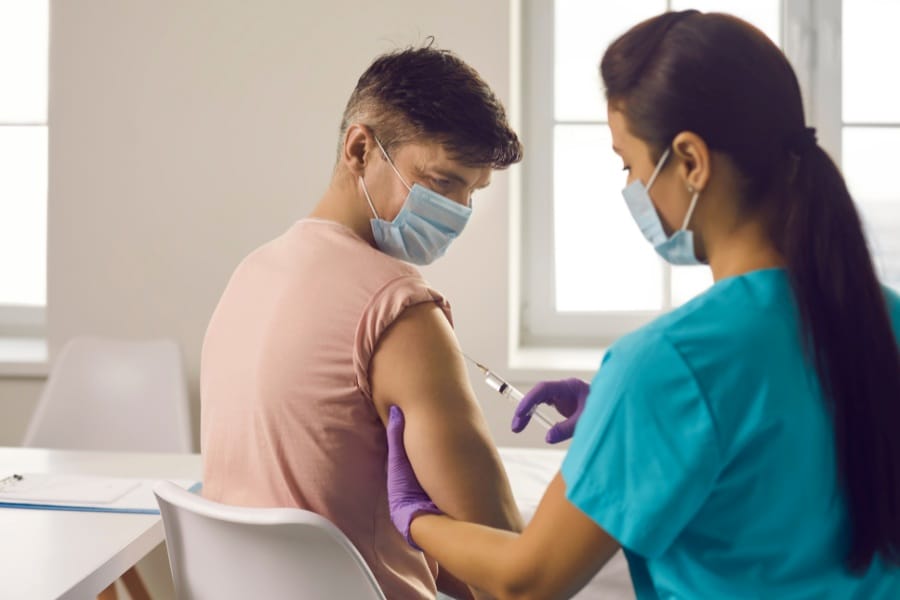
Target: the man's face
pixel 429 165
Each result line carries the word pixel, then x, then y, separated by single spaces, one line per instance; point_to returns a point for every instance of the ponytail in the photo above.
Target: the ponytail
pixel 848 334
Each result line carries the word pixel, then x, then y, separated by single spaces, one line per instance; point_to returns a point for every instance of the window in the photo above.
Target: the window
pixel 588 274
pixel 24 45
pixel 870 124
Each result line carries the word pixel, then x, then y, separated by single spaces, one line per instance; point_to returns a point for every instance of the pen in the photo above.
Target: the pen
pixel 11 479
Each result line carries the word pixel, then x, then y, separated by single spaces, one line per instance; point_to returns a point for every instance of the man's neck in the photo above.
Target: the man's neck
pixel 340 203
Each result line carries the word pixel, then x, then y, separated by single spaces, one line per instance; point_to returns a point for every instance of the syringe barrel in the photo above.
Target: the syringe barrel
pixel 513 394
pixel 501 387
pixel 495 383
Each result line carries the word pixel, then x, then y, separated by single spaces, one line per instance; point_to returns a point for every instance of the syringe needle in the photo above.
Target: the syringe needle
pixel 480 366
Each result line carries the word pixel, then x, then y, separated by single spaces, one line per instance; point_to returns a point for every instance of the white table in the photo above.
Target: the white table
pixel 74 555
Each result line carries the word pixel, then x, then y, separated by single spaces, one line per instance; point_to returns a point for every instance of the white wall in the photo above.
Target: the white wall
pixel 17 399
pixel 185 133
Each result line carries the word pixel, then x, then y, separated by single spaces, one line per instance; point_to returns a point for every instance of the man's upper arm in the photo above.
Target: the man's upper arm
pixel 418 367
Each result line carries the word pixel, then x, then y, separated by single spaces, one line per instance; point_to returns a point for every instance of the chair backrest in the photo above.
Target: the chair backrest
pixel 105 394
pixel 230 552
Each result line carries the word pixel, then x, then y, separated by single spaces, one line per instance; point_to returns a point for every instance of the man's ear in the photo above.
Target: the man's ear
pixel 355 152
pixel 694 166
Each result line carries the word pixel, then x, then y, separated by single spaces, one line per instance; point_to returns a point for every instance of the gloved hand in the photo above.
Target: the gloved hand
pixel 566 395
pixel 406 498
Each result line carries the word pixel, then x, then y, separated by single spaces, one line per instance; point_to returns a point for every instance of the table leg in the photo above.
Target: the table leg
pixel 135 585
pixel 109 593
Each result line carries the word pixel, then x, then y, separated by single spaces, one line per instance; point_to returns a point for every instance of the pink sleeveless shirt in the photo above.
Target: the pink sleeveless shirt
pixel 287 419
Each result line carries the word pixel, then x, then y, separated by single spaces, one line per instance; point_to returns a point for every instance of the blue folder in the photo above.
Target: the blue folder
pixel 87 508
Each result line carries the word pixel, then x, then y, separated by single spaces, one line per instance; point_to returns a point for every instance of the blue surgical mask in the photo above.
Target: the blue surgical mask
pixel 423 229
pixel 678 249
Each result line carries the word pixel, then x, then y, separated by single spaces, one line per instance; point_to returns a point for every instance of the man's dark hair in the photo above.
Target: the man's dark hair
pixel 429 94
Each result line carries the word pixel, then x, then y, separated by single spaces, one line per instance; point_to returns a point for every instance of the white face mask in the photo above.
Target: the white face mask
pixel 423 229
pixel 678 249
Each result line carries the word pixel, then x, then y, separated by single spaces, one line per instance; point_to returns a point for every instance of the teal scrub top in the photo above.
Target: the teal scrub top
pixel 706 449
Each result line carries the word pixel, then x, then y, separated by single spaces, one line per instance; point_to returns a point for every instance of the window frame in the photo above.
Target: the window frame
pixel 22 321
pixel 810 37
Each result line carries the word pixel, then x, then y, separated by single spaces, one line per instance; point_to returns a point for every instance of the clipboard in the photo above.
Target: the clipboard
pixel 43 491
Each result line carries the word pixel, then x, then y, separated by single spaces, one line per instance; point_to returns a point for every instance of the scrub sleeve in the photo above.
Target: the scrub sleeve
pixel 645 454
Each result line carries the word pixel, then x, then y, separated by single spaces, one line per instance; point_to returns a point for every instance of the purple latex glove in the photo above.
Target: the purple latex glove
pixel 566 395
pixel 406 498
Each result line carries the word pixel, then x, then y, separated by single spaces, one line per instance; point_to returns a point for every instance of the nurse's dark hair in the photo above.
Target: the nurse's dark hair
pixel 724 80
pixel 429 94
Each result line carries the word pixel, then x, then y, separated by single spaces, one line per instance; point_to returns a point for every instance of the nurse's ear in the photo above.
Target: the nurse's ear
pixel 358 141
pixel 693 160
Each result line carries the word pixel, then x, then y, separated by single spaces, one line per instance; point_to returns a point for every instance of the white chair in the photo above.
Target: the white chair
pixel 123 395
pixel 227 552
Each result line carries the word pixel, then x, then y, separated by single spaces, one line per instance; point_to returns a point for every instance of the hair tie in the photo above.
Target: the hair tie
pixel 802 141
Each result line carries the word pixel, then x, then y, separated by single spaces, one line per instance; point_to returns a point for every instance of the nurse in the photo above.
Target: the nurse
pixel 745 444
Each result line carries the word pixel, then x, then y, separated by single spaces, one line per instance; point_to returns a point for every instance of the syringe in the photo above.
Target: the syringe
pixel 502 387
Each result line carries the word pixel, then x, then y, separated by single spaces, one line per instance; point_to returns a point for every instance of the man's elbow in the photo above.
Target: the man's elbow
pixel 514 591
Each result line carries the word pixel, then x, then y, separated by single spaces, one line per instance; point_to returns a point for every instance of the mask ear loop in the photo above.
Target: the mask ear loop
pixel 659 166
pixel 390 162
pixel 690 212
pixel 368 198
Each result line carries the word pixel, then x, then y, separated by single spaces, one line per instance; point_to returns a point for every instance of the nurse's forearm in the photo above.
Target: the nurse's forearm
pixel 483 557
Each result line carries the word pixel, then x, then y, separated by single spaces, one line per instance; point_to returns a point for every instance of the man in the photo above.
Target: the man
pixel 321 330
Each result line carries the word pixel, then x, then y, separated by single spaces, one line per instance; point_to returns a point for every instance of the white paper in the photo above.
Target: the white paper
pixel 111 493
